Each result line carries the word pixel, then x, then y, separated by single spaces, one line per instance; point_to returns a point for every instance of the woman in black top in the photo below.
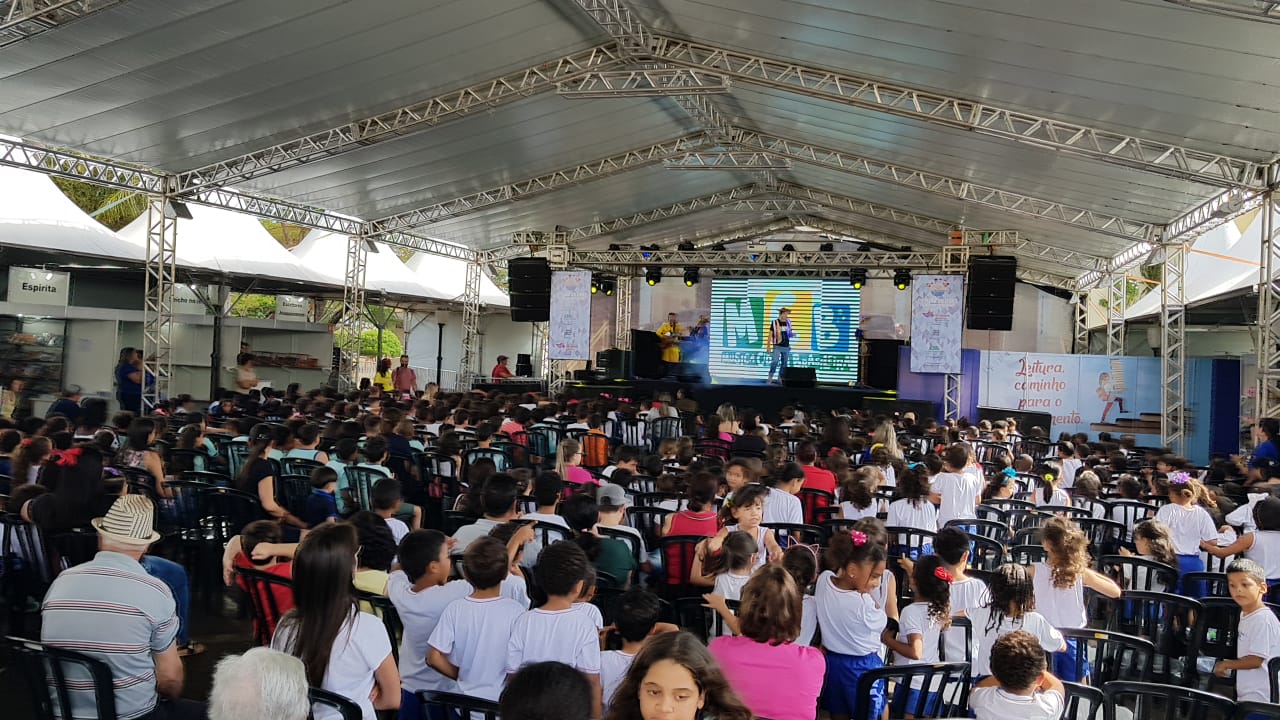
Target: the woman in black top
pixel 257 477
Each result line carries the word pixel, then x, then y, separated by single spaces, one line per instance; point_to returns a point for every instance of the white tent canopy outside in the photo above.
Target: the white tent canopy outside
pixel 448 277
pixel 233 243
pixel 35 214
pixel 324 251
pixel 1219 262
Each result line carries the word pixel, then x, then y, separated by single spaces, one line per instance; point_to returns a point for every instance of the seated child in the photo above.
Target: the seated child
pixel 1258 636
pixel 1020 685
pixel 386 504
pixel 263 536
pixel 322 504
pixel 638 612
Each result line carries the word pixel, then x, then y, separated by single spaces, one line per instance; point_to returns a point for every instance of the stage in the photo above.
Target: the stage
pixel 766 399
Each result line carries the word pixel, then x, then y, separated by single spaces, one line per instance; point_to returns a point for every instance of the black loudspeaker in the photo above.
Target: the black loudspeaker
pixel 613 363
pixel 524 364
pixel 646 356
pixel 799 377
pixel 529 283
pixel 882 364
pixel 989 293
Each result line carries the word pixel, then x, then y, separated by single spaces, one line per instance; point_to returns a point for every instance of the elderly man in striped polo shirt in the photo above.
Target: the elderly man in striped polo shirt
pixel 110 609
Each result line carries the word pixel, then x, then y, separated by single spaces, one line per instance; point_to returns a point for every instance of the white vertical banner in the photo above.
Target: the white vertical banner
pixel 570 315
pixel 937 323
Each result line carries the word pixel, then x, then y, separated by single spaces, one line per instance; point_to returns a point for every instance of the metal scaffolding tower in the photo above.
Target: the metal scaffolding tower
pixel 470 326
pixel 1117 302
pixel 157 308
pixel 1268 391
pixel 1173 335
pixel 352 321
pixel 1080 322
pixel 622 317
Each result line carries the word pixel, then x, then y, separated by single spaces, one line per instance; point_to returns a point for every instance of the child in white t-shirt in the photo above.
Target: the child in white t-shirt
pixel 557 631
pixel 912 508
pixel 955 491
pixel 801 561
pixel 1258 636
pixel 1020 686
pixel 637 620
pixel 1262 545
pixel 1059 586
pixel 852 622
pixel 920 625
pixel 1010 607
pixel 1190 525
pixel 731 566
pixel 470 639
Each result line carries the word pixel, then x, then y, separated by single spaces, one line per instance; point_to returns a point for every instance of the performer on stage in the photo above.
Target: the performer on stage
pixel 780 335
pixel 669 334
pixel 501 371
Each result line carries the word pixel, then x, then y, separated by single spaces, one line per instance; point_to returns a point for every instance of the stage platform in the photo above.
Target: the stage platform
pixel 766 399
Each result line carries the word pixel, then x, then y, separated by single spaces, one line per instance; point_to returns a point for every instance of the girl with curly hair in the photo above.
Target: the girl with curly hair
pixel 1059 584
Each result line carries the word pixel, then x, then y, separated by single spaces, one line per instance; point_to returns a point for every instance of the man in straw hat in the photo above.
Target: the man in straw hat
pixel 110 609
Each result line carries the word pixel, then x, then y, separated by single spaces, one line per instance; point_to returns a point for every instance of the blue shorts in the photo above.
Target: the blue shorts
pixel 1064 664
pixel 931 702
pixel 840 690
pixel 1187 564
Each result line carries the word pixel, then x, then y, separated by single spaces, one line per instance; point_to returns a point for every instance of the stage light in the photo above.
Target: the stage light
pixel 686 247
pixel 827 247
pixel 595 287
pixel 690 277
pixel 653 276
pixel 788 248
pixel 646 251
pixel 858 278
pixel 718 247
pixel 606 285
pixel 902 279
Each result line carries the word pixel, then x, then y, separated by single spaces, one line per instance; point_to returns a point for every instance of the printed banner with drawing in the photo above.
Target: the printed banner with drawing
pixel 570 325
pixel 937 323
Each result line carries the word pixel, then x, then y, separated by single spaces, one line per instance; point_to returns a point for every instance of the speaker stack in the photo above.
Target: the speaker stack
pixel 989 293
pixel 529 282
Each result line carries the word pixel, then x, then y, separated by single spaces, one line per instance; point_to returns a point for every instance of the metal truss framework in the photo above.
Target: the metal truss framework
pixel 1267 11
pixel 1268 335
pixel 1080 323
pixel 727 160
pixel 667 212
pixel 1006 123
pixel 622 314
pixel 1117 302
pixel 1173 336
pixel 955 188
pixel 157 308
pixel 470 326
pixel 540 184
pixel 951 397
pixel 353 312
pixel 411 118
pixel 772 207
pixel 24 18
pixel 643 82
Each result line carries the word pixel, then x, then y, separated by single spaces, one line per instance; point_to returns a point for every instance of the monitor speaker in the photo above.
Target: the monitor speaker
pixel 989 293
pixel 799 377
pixel 524 365
pixel 529 283
pixel 646 356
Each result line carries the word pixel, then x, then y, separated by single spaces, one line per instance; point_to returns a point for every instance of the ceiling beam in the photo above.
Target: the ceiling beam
pixel 1050 253
pixel 727 160
pixel 401 121
pixel 1115 148
pixel 666 212
pixel 27 18
pixel 75 166
pixel 950 187
pixel 1267 11
pixel 541 184
pixel 643 83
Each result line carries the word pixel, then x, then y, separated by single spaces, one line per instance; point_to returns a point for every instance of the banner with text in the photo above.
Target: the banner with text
pixel 1084 393
pixel 39 286
pixel 937 323
pixel 570 315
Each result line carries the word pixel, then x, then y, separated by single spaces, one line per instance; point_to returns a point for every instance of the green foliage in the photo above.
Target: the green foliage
pixel 284 233
pixel 253 305
pixel 115 208
pixel 391 345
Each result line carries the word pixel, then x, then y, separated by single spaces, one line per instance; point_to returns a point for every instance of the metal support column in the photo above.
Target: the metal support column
pixel 157 309
pixel 1080 344
pixel 1268 392
pixel 951 397
pixel 470 325
pixel 352 322
pixel 542 351
pixel 1117 286
pixel 1173 335
pixel 622 318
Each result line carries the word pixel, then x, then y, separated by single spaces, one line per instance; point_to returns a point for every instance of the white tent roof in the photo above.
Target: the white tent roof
pixel 233 243
pixel 35 214
pixel 1221 261
pixel 448 277
pixel 326 251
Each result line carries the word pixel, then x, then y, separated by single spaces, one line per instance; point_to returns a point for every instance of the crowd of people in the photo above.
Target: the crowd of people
pixel 565 560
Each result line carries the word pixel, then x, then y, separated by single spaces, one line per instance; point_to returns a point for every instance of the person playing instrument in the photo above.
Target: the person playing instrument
pixel 501 371
pixel 780 334
pixel 671 332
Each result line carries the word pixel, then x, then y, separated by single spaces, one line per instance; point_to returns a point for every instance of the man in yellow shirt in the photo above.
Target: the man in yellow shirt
pixel 670 333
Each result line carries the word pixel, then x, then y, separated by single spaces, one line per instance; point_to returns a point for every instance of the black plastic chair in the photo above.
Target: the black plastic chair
pixel 1154 700
pixel 1026 536
pixel 237 452
pixel 1026 554
pixel 1135 573
pixel 227 511
pixel 454 519
pixel 630 539
pixel 648 521
pixel 386 612
pixel 788 534
pixel 1105 536
pixel 677 560
pixel 551 533
pixel 1253 710
pixel 453 705
pixel 812 500
pixel 345 708
pixel 1211 584
pixel 1111 656
pixel 1130 513
pixel 1273 672
pixel 299 466
pixel 501 459
pixel 360 482
pixel 664 428
pixel 959 625
pixel 947 692
pixel 1083 702
pixel 652 499
pixel 1217 635
pixel 1168 622
pixel 293 491
pixel 836 526
pixel 261 588
pixel 1026 521
pixel 27 567
pixel 985 553
pixel 908 541
pixel 994 530
pixel 49 672
pixel 693 615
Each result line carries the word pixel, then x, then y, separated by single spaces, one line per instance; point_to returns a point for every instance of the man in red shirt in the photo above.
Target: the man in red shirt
pixel 815 478
pixel 403 378
pixel 501 371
